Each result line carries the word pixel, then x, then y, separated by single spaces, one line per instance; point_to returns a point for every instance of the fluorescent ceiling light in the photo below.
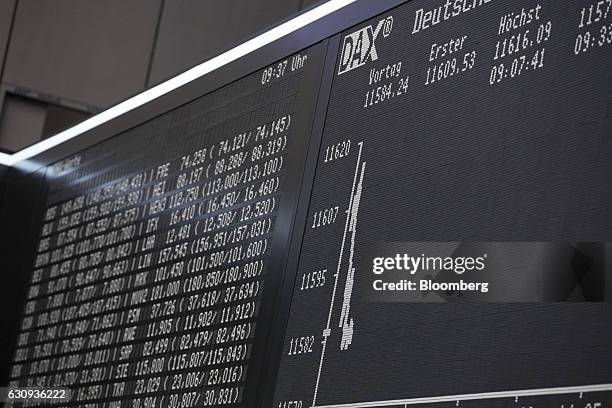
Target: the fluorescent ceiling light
pixel 194 73
pixel 4 157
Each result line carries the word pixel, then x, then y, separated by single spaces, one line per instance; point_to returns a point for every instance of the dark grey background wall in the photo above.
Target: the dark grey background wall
pixel 62 60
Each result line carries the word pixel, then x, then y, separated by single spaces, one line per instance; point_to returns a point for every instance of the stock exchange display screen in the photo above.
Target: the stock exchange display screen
pixel 154 251
pixel 453 126
pixel 416 211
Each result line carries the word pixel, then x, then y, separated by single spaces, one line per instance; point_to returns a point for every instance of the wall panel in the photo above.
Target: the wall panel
pixel 95 53
pixel 192 31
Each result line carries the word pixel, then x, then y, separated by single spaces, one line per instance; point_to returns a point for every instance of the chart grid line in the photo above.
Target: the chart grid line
pixel 478 396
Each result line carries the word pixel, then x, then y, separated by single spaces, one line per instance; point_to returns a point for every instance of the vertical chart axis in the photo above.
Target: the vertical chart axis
pixel 346 323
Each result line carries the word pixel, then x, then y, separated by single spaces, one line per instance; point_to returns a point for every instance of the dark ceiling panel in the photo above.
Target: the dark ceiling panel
pixel 6 15
pixel 307 3
pixel 192 31
pixel 92 52
pixel 21 123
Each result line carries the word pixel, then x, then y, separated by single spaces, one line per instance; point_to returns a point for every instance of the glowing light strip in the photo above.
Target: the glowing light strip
pixel 4 158
pixel 165 87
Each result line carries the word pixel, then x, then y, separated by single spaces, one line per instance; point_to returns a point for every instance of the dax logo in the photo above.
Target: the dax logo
pixel 360 46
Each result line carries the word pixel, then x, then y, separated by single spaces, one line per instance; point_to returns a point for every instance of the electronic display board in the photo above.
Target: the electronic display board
pixel 452 128
pixel 153 263
pixel 413 210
